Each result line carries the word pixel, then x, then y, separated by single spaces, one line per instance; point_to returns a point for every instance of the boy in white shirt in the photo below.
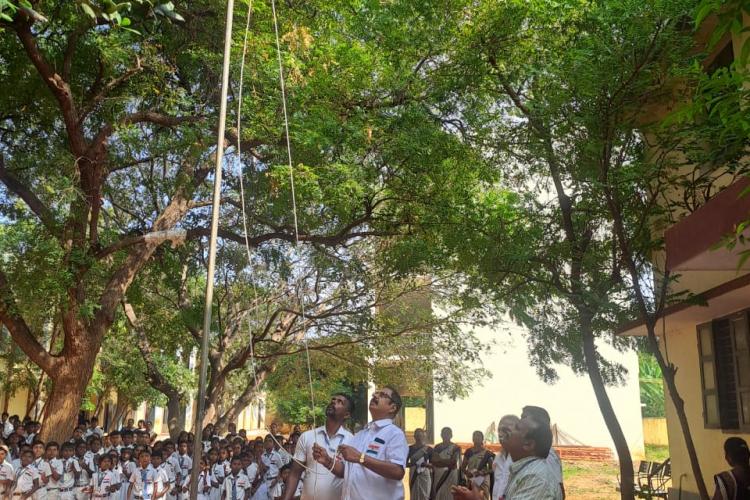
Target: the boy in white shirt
pixel 81 472
pixel 68 481
pixel 205 481
pixel 6 472
pixel 27 478
pixel 186 466
pixel 144 482
pixel 104 482
pixel 236 485
pixel 127 467
pixel 55 471
pixel 42 467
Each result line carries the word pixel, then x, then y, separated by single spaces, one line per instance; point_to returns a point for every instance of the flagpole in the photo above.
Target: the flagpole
pixel 216 205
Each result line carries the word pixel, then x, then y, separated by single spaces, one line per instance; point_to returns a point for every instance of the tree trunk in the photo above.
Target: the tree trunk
pixel 240 403
pixel 68 389
pixel 627 478
pixel 175 416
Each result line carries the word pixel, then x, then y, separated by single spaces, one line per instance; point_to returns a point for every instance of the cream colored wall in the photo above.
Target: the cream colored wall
pixel 655 431
pixel 17 403
pixel 570 401
pixel 682 349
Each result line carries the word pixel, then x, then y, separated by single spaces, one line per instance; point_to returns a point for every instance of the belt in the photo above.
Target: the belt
pixel 271 478
pixel 65 490
pixel 52 489
pixel 100 495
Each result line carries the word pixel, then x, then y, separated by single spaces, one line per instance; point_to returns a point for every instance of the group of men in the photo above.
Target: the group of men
pixel 324 463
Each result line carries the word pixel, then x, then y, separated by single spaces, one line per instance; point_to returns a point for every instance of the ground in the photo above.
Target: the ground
pixel 597 480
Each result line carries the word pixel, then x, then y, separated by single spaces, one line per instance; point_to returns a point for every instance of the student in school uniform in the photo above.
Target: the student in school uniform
pixel 6 472
pixel 186 466
pixel 105 481
pixel 171 471
pixel 272 464
pixel 157 462
pixel 68 481
pixel 217 473
pixel 56 469
pixel 128 466
pixel 144 481
pixel 27 478
pixel 42 467
pixel 236 485
pixel 374 460
pixel 205 481
pixel 81 472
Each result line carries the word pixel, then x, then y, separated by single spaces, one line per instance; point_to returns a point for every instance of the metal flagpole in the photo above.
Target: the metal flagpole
pixel 198 427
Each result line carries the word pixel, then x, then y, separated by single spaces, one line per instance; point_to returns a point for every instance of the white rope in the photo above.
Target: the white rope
pixel 294 200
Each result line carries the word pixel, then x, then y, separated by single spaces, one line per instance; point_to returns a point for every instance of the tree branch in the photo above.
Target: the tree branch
pixel 15 186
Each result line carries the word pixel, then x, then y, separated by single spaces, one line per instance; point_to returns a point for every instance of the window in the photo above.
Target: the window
pixel 724 348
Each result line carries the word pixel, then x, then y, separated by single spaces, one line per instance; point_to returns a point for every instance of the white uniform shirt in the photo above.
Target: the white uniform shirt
pixel 7 429
pixel 251 472
pixel 83 477
pixel 57 466
pixel 204 480
pixel 274 463
pixel 25 478
pixel 218 473
pixel 185 464
pixel 145 489
pixel 68 480
pixel 45 473
pixel 126 469
pixel 101 482
pixel 6 473
pixel 322 484
pixel 234 487
pixel 384 441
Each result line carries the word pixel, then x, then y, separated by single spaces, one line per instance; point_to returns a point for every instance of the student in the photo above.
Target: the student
pixel 374 460
pixel 217 473
pixel 6 471
pixel 104 482
pixel 249 467
pixel 144 481
pixel 236 484
pixel 171 472
pixel 81 472
pixel 115 441
pixel 94 429
pixel 185 464
pixel 68 481
pixel 42 467
pixel 278 491
pixel 127 466
pixel 157 462
pixel 127 439
pixel 27 478
pixel 272 464
pixel 205 481
pixel 55 469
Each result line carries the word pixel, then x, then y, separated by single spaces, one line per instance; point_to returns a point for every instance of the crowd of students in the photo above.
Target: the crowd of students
pixel 131 464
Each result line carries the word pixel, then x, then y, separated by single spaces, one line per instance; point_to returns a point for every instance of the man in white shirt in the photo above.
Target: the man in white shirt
pixel 374 460
pixel 501 464
pixel 320 483
pixel 94 429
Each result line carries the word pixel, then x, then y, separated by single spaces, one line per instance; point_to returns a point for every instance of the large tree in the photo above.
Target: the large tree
pixel 105 149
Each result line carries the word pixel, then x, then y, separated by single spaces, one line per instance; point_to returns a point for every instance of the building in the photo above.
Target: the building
pixel 707 339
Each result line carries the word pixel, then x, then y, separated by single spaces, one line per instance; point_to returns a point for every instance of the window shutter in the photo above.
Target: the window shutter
pixel 739 327
pixel 711 418
pixel 726 373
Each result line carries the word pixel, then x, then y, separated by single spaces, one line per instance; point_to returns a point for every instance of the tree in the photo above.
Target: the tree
pixel 121 108
pixel 522 87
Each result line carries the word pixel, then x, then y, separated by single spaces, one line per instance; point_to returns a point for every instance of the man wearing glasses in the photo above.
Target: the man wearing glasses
pixel 372 462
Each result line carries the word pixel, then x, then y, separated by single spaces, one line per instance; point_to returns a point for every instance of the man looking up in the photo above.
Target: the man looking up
pixel 321 484
pixel 530 477
pixel 374 459
pixel 553 459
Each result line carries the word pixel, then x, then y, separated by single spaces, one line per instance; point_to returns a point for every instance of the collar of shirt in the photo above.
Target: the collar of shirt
pixel 322 430
pixel 379 424
pixel 516 466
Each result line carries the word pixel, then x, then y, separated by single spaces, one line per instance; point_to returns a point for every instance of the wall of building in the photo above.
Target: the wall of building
pixel 570 401
pixel 682 350
pixel 655 431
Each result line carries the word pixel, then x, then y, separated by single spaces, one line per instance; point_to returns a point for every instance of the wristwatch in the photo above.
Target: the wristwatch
pixel 362 458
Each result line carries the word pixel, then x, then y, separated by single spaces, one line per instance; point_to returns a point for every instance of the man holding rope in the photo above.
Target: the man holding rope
pixel 320 483
pixel 372 462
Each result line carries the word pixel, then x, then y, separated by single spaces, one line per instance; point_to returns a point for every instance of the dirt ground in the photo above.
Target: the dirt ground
pixel 590 481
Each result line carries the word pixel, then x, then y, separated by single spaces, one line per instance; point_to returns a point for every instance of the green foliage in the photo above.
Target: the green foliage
pixel 651 386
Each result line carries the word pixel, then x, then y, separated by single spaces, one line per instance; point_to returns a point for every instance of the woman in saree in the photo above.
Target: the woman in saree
pixel 477 465
pixel 445 461
pixel 420 475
